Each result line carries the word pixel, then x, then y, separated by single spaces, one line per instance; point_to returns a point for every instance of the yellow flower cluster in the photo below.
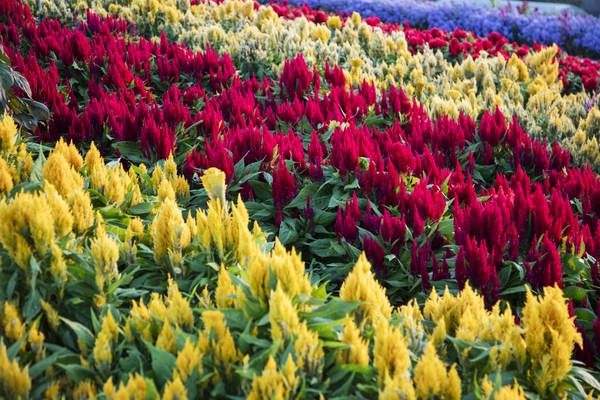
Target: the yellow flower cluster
pixel 550 337
pixel 14 381
pixel 15 163
pixel 120 188
pixel 360 285
pixel 466 318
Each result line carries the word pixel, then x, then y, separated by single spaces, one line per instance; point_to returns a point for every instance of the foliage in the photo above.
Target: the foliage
pixel 26 111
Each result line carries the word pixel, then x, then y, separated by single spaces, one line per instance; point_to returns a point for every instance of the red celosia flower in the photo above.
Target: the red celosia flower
pixel 375 255
pixel 284 185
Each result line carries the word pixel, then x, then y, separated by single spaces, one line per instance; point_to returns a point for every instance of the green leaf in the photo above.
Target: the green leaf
pixel 583 314
pixel 37 170
pixel 353 185
pixel 10 287
pixel 131 151
pixel 261 190
pixel 300 199
pixel 585 375
pixel 81 332
pixel 446 227
pixel 40 367
pixel 514 289
pixel 77 372
pixel 287 234
pixel 14 348
pixel 163 363
pixel 334 310
pixel 141 208
pixel 576 293
pixel 151 392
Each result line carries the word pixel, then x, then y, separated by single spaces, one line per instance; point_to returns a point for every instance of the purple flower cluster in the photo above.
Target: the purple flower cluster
pixel 573 33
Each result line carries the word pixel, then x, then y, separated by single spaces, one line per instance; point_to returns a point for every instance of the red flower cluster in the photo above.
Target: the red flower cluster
pixel 97 61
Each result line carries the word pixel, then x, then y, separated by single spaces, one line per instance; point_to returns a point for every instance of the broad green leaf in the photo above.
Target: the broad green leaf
pixel 163 363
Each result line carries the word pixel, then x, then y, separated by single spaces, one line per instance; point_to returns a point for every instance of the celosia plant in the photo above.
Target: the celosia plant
pixel 280 335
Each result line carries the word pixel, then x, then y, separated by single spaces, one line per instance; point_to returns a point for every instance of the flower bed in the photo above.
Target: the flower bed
pixel 444 83
pixel 241 319
pixel 433 176
pixel 575 33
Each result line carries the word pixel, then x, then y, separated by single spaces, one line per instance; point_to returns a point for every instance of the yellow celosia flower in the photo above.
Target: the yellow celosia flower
pixel 15 382
pixel 360 285
pixel 356 20
pixel 8 133
pixel 223 347
pixel 12 325
pixel 6 180
pixel 181 187
pixel 51 314
pixel 178 308
pixel 550 336
pixel 453 385
pixel 171 232
pixel 52 393
pixel 289 270
pixel 432 380
pixel 102 353
pixel 61 214
pixel 166 338
pixel 36 341
pixel 487 387
pixel 283 314
pixel 175 390
pixel 85 390
pixel 274 384
pixel 58 266
pixel 109 389
pixel 451 308
pixel 110 327
pixel 188 360
pixel 213 181
pixel 321 33
pixel 94 166
pixel 309 351
pixel 24 162
pixel 225 290
pixel 165 191
pixel 135 389
pixel 116 185
pixel 157 307
pixel 398 387
pixel 390 354
pixel 523 74
pixel 59 173
pixel 544 64
pixel 128 332
pixel 438 337
pixel 70 153
pixel 82 210
pixel 358 351
pixel 510 393
pixel 140 311
pixel 258 278
pixel 105 252
pixel 334 22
